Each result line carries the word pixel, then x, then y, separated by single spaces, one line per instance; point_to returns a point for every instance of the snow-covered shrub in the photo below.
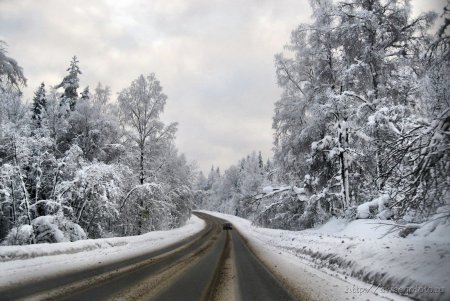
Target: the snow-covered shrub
pixel 182 198
pixel 46 231
pixel 146 208
pixel 310 216
pixel 350 213
pixel 199 199
pixel 273 216
pixel 4 226
pixel 22 235
pixel 54 228
pixel 94 195
pixel 437 223
pixel 375 208
pixel 282 211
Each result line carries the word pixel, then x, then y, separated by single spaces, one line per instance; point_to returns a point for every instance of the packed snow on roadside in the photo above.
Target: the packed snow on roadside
pixel 25 263
pixel 353 252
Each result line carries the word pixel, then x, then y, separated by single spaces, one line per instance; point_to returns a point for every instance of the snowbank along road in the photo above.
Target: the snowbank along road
pixel 214 264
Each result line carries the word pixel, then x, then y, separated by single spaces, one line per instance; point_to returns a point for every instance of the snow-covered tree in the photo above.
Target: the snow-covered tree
pixel 151 146
pixel 11 74
pixel 95 128
pixel 356 62
pixel 101 95
pixel 68 166
pixel 70 84
pixel 39 104
pixel 233 191
pixel 56 123
pixel 94 196
pixel 85 95
pixel 141 105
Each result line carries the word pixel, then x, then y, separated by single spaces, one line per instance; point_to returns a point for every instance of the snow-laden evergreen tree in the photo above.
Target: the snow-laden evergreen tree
pixel 95 127
pixel 70 84
pixel 39 104
pixel 260 161
pixel 85 95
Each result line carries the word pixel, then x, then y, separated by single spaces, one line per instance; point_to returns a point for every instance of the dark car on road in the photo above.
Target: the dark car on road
pixel 227 226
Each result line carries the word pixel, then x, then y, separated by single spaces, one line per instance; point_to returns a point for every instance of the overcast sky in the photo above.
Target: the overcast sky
pixel 214 59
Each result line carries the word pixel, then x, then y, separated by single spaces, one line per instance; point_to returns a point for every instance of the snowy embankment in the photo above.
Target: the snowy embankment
pixel 25 263
pixel 332 261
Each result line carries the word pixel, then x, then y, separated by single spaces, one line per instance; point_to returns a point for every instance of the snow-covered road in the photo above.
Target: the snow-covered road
pixel 215 264
pixel 329 263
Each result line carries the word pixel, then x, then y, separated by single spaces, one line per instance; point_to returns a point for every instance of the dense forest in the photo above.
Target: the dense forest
pixel 362 128
pixel 82 165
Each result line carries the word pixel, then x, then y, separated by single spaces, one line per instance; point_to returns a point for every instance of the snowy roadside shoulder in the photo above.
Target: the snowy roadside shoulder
pixel 8 253
pixel 355 260
pixel 24 263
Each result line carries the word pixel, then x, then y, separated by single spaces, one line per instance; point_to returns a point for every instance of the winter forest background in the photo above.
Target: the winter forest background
pixel 77 166
pixel 361 130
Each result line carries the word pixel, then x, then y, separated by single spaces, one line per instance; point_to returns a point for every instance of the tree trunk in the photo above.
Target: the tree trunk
pixel 13 202
pixel 141 181
pixel 38 182
pixel 55 181
pixel 141 166
pixel 346 169
pixel 22 184
pixel 343 162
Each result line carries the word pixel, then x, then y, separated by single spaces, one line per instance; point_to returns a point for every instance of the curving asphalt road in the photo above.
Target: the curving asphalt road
pixel 212 265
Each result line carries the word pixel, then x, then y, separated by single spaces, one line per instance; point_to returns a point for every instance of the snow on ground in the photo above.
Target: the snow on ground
pixel 26 263
pixel 330 262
